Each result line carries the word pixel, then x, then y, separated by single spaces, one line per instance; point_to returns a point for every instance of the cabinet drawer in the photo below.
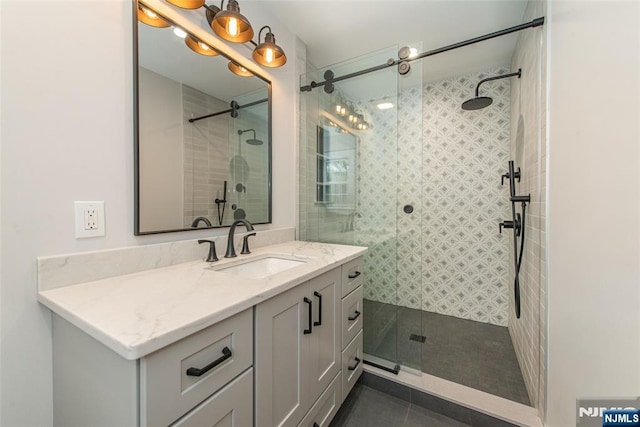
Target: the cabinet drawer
pixel 220 352
pixel 351 364
pixel 352 275
pixel 230 407
pixel 326 407
pixel 351 316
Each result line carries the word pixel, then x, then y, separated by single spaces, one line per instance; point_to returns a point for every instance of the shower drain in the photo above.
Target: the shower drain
pixel 419 338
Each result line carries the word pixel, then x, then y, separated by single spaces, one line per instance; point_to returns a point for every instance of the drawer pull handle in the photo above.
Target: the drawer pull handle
pixel 319 295
pixel 353 368
pixel 316 425
pixel 308 301
pixel 355 316
pixel 196 372
pixel 354 275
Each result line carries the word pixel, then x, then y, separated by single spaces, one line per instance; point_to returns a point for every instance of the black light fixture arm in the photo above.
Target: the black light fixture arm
pixel 504 76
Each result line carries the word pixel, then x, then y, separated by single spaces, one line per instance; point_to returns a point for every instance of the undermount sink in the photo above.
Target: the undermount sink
pixel 261 267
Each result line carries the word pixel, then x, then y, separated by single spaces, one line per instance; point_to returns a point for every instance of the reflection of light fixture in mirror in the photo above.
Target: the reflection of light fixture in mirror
pixel 187 4
pixel 239 69
pixel 229 24
pixel 179 32
pixel 384 105
pixel 268 53
pixel 199 47
pixel 149 17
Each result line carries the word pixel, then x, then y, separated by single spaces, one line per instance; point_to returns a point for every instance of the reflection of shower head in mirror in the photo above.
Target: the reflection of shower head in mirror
pixel 251 141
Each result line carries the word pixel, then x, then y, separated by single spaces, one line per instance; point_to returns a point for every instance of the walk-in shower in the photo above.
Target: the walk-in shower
pixel 420 187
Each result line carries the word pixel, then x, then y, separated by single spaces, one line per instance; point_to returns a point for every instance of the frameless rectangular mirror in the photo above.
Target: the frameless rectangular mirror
pixel 202 136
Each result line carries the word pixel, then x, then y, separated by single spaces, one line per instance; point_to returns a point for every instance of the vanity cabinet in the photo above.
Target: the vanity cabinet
pixel 352 312
pixel 207 374
pixel 298 351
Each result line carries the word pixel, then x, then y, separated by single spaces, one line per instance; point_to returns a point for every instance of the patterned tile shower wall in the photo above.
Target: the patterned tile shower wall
pixel 448 257
pixel 466 261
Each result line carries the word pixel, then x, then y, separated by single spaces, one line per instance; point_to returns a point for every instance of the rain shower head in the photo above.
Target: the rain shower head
pixel 477 103
pixel 480 102
pixel 251 141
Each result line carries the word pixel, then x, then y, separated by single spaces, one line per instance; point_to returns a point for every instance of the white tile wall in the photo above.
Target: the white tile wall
pixel 529 152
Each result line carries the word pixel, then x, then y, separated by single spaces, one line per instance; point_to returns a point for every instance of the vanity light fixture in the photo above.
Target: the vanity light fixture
pixel 149 17
pixel 229 24
pixel 199 47
pixel 239 69
pixel 187 4
pixel 268 53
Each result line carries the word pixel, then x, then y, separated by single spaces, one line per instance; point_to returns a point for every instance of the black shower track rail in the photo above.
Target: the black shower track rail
pixel 391 62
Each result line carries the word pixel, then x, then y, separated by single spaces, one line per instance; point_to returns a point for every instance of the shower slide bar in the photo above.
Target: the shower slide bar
pixel 518 225
pixel 403 62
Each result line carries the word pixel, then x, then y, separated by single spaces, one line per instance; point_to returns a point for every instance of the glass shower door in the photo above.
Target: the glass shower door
pixel 352 191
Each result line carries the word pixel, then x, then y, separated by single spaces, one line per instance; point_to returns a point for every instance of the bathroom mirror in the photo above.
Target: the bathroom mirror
pixel 207 172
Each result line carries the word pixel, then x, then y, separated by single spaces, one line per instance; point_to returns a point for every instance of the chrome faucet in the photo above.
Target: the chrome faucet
pixel 196 221
pixel 231 251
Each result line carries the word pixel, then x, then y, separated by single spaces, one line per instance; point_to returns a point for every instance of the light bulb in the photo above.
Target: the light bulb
pixel 338 109
pixel 232 27
pixel 179 32
pixel 203 46
pixel 268 55
pixel 150 13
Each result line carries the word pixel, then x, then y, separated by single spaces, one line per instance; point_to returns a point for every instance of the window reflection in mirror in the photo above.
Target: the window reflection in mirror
pixel 209 170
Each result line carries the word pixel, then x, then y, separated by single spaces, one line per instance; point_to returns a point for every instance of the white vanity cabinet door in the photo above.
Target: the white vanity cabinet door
pixel 326 407
pixel 297 355
pixel 351 364
pixel 168 391
pixel 230 407
pixel 325 352
pixel 351 316
pixel 352 275
pixel 282 347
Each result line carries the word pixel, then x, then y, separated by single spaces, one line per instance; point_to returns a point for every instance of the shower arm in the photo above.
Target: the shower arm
pixel 488 79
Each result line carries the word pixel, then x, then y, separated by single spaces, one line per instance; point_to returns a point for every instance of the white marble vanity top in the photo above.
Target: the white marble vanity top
pixel 137 314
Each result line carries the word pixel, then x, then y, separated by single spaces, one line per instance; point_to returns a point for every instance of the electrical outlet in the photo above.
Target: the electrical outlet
pixel 90 219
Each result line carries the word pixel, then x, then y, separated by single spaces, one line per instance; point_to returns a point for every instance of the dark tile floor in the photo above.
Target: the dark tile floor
pixel 366 407
pixel 475 354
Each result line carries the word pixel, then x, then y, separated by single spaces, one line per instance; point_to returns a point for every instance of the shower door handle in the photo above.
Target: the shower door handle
pixel 310 330
pixel 319 295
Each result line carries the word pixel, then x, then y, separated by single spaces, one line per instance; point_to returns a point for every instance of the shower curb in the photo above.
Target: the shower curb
pixel 433 403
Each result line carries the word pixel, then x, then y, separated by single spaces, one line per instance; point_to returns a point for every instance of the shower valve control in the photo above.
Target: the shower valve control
pixel 516 175
pixel 511 224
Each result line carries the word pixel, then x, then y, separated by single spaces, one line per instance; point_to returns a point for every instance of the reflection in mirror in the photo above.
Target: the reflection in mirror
pixel 336 167
pixel 203 140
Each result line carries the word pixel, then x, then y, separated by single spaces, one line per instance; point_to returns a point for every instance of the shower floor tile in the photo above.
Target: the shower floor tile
pixel 475 354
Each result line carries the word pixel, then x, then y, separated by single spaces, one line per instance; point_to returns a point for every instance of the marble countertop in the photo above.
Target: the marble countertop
pixel 137 314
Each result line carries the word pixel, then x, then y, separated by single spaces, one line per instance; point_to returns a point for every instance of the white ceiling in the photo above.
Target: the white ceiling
pixel 335 31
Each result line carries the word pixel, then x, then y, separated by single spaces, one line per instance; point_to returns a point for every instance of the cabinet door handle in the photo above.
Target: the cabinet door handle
pixel 353 368
pixel 355 316
pixel 319 295
pixel 196 372
pixel 316 425
pixel 308 301
pixel 354 275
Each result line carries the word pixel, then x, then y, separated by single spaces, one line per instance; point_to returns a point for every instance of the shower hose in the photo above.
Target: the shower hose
pixel 518 261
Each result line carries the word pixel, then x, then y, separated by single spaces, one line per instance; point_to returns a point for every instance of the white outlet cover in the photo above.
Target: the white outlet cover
pixel 80 209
